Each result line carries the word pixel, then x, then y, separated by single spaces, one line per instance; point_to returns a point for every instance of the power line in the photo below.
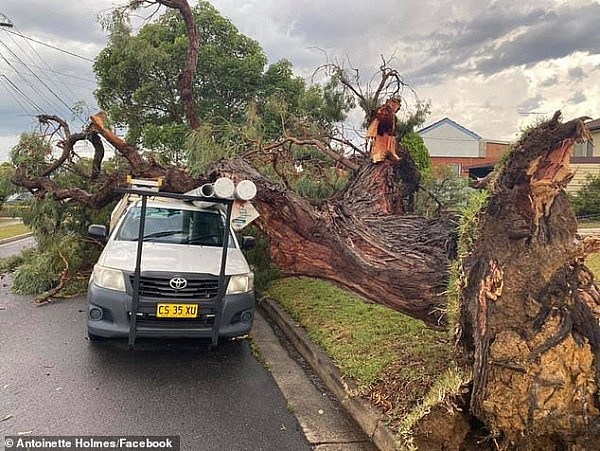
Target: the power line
pixel 44 83
pixel 28 83
pixel 51 46
pixel 15 98
pixel 50 102
pixel 70 92
pixel 64 74
pixel 16 88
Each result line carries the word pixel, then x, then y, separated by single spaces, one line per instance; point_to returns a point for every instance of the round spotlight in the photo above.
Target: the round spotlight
pixel 245 190
pixel 95 313
pixel 224 188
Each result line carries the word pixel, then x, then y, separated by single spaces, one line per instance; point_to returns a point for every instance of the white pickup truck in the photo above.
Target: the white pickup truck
pixel 180 264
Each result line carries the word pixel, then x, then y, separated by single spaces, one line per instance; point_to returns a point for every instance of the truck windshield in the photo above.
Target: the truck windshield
pixel 169 225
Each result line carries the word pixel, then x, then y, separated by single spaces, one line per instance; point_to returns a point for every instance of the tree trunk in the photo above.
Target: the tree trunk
pixel 529 311
pixel 361 239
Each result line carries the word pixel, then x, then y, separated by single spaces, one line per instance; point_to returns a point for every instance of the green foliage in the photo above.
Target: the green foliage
pixel 468 228
pixel 468 233
pixel 419 153
pixel 586 201
pixel 7 171
pixel 168 140
pixel 447 192
pixel 240 100
pixel 317 189
pixel 414 119
pixel 59 227
pixel 30 152
pixel 60 230
pixel 42 272
pixel 138 74
pixel 202 149
pixel 9 264
pixel 259 259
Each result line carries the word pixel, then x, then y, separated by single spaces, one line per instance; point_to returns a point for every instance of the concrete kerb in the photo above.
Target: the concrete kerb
pixel 372 422
pixel 15 238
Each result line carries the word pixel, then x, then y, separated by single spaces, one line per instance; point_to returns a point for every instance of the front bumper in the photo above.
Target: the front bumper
pixel 236 318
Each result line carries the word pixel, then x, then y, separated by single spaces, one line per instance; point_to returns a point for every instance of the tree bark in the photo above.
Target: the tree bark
pixel 186 78
pixel 361 239
pixel 529 311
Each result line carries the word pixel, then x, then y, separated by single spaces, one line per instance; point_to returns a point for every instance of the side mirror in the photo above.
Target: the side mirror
pixel 97 232
pixel 248 242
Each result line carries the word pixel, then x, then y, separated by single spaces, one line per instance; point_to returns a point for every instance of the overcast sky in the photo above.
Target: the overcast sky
pixel 492 66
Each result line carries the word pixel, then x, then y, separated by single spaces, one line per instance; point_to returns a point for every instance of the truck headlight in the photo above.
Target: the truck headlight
pixel 241 283
pixel 109 278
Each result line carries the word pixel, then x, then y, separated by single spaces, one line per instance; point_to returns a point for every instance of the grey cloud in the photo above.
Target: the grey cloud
pixel 452 50
pixel 576 73
pixel 76 21
pixel 502 37
pixel 568 31
pixel 550 81
pixel 530 104
pixel 578 97
pixel 488 26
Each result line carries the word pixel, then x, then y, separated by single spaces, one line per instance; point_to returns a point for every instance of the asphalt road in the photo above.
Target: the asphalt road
pixel 11 248
pixel 54 381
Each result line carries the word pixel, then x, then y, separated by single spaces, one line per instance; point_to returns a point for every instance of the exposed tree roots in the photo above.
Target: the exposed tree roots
pixel 529 313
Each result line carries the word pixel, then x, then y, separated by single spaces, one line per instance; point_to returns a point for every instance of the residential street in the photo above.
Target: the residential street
pixel 53 381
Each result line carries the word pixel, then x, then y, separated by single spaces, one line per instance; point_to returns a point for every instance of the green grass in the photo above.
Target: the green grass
pixel 8 231
pixel 593 262
pixel 364 340
pixel 593 224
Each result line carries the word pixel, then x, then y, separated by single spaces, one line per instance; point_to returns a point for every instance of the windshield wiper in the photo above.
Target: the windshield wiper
pixel 205 240
pixel 161 234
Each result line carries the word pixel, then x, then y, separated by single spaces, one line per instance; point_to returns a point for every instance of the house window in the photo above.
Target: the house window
pixel 455 168
pixel 583 149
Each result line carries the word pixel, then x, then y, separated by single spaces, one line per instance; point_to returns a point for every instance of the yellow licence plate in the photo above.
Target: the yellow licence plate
pixel 176 310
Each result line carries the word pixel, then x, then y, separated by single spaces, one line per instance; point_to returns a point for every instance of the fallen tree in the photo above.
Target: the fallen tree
pixel 361 239
pixel 364 238
pixel 529 309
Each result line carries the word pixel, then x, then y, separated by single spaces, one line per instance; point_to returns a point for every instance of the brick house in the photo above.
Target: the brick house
pixel 586 157
pixel 464 151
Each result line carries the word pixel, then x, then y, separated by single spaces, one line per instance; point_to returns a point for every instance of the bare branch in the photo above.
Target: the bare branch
pixel 318 144
pixel 129 151
pixel 350 144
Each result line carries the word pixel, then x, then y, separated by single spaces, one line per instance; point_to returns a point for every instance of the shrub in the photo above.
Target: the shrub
pixel 586 201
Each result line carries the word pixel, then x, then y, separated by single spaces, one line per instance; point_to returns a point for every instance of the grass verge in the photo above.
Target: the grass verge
pixel 591 224
pixel 394 359
pixel 593 262
pixel 8 231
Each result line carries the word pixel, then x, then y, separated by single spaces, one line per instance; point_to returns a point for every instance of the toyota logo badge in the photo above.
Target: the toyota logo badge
pixel 178 283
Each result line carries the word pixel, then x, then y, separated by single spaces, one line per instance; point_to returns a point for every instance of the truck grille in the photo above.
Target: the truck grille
pixel 169 323
pixel 196 289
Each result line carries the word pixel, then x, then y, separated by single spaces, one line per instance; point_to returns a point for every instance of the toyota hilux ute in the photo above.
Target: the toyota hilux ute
pixel 179 270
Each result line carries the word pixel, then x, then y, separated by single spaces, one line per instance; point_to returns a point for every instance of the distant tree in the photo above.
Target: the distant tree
pixel 7 171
